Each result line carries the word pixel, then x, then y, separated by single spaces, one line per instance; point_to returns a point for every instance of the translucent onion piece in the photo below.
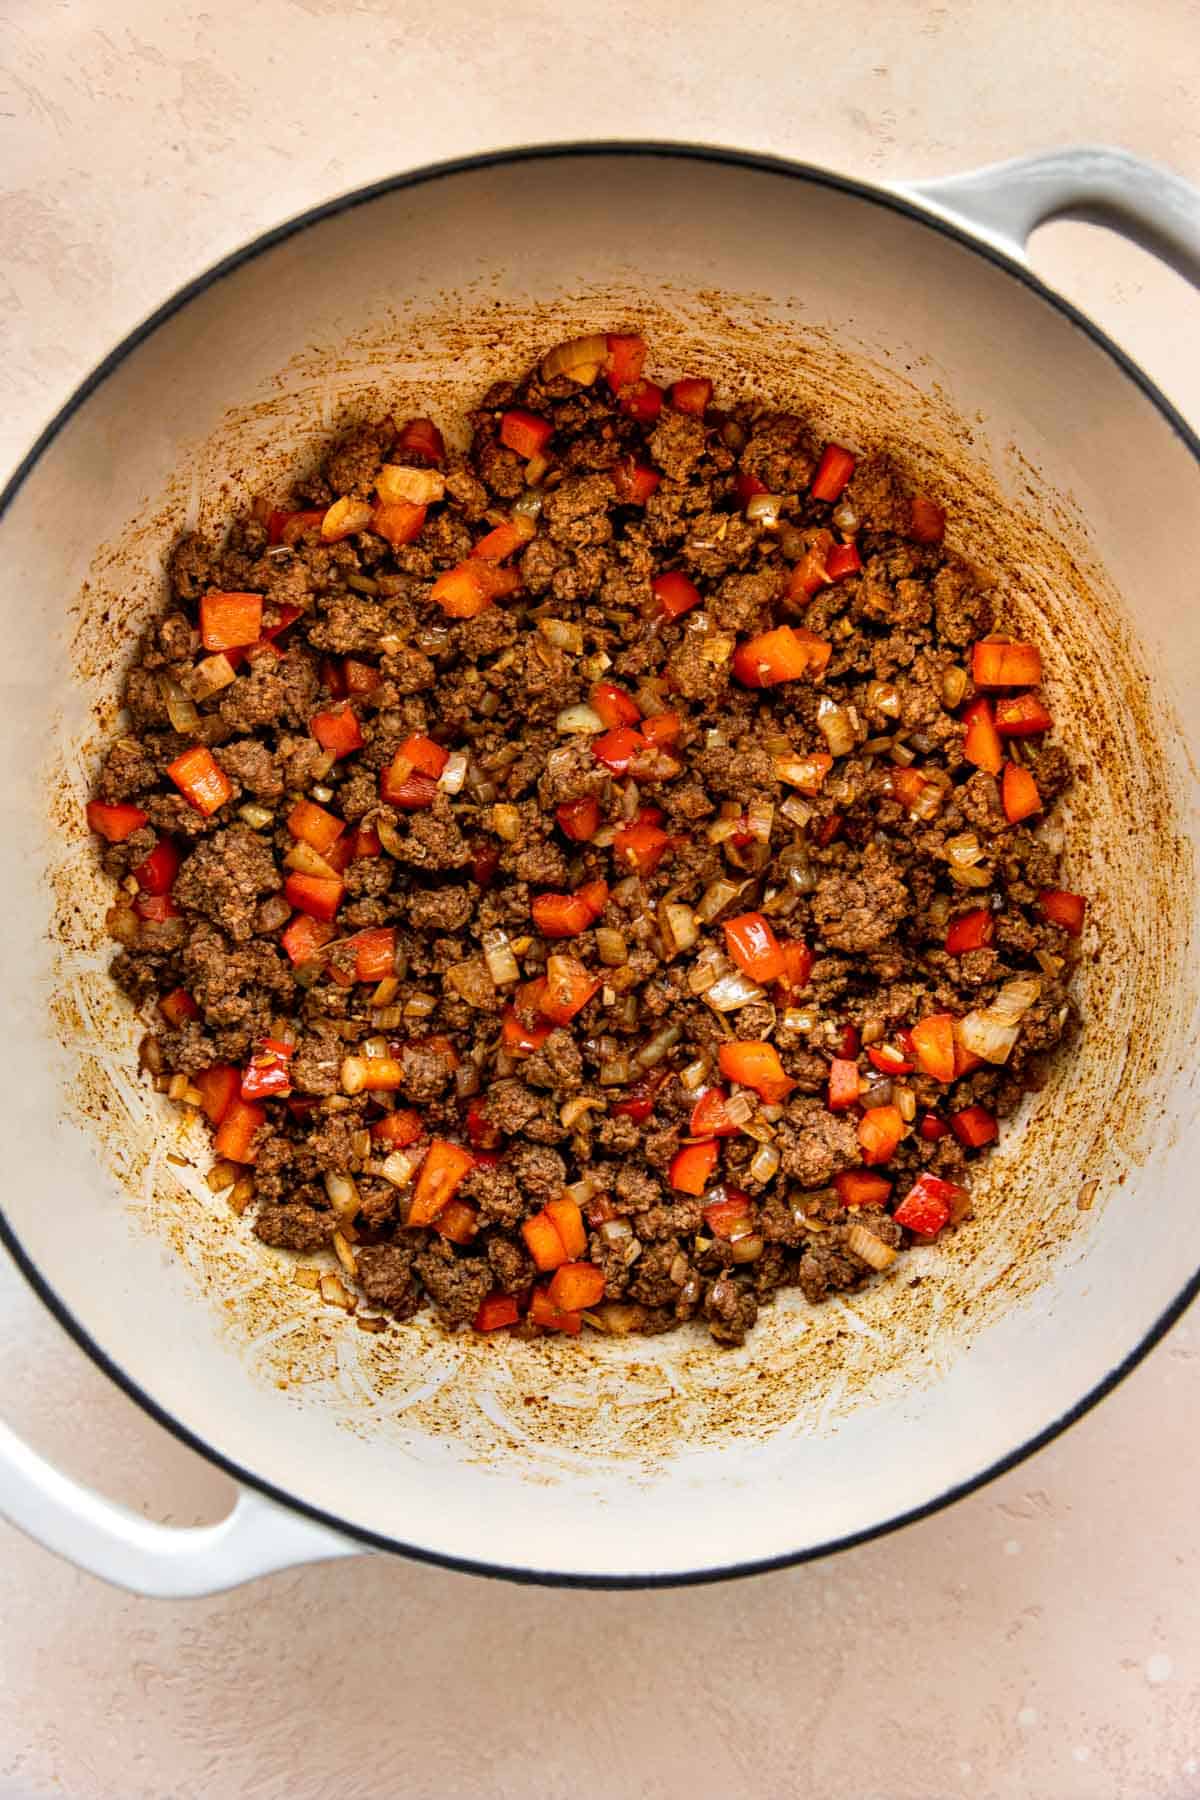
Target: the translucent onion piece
pixel 716 897
pixel 209 676
pixel 333 1292
pixel 398 1168
pixel 739 1108
pixel 581 359
pixel 529 504
pixel 305 861
pixel 845 518
pixel 502 965
pixel 653 1051
pixel 617 1317
pixel 679 928
pixel 760 819
pixel 763 509
pixel 258 818
pixel 730 991
pixel 954 686
pixel 611 946
pixel 717 648
pixel 747 1249
pixel 181 709
pixel 581 1191
pixel 578 719
pixel 506 822
pixel 906 1102
pixel 799 1018
pixel 970 878
pixel 868 1248
pixel 836 727
pixel 884 697
pixel 764 1164
pixel 562 634
pixel 992 1031
pixel 616 1071
pixel 795 811
pixel 420 487
pixel 613 1230
pixel 695 1075
pixel 454 775
pixel 343 1196
pixel 964 850
pixel 593 666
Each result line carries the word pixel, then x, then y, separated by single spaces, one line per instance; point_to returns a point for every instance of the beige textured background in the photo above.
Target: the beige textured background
pixel 1042 1638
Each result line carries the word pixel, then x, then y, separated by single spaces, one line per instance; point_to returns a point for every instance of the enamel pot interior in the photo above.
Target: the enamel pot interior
pixel 606 1459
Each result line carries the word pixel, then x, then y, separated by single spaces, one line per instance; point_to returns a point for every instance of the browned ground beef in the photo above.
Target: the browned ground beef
pixel 847 866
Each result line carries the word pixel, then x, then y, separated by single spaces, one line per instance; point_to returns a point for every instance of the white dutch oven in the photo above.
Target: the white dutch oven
pixel 904 317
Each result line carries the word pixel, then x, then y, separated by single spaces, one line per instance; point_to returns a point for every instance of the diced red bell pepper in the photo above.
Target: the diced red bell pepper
pixel 421 437
pixel 754 947
pixel 843 1084
pixel 333 678
pixel 543 1312
pixel 908 786
pixel 306 936
pixel 217 1087
pixel 614 706
pixel 974 1127
pixel 810 574
pixel 567 1219
pixel 843 560
pixel 338 731
pixel 1019 793
pixel 640 847
pixel 458 1221
pixel 971 931
pixel 375 953
pixel 674 593
pixel 889 1060
pixel 692 1167
pixel 178 1007
pixel 643 401
pixel 441 1172
pixel 746 486
pixel 155 907
pixel 926 520
pixel 466 590
pixel 600 1210
pixel 543 1242
pixel 933 1041
pixel 850 1042
pixel 398 1129
pixel 399 521
pixel 115 821
pixel 1062 908
pixel 756 1065
pixel 412 792
pixel 638 1103
pixel 312 825
pixel 634 481
pixel 732 1216
pixel 485 860
pixel 981 744
pixel 785 654
pixel 710 1118
pixel 267 1075
pixel 932 1128
pixel 200 779
pixel 929 1205
pixel 964 1060
pixel 424 754
pixel 1021 715
pixel 512 534
pixel 833 472
pixel 156 873
pixel 568 989
pixel 825 830
pixel 576 1285
pixel 480 1129
pixel 495 1312
pixel 616 749
pixel 519 1039
pixel 235 1135
pixel 626 360
pixel 316 895
pixel 879 1133
pixel 579 819
pixel 692 395
pixel 290 527
pixel 797 965
pixel 997 663
pixel 365 842
pixel 525 432
pixel 858 1187
pixel 229 621
pixel 566 915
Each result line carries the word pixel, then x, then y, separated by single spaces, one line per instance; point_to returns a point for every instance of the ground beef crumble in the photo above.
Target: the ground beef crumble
pixel 411 908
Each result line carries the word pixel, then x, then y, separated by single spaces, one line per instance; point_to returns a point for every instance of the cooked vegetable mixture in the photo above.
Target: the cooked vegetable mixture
pixel 594 879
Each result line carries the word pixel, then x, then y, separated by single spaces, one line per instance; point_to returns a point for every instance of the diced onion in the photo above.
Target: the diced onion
pixel 343 1196
pixel 333 1292
pixel 617 1317
pixel 764 1164
pixel 708 967
pixel 716 897
pixel 763 509
pixel 616 1071
pixel 795 811
pixel 717 648
pixel 799 1018
pixel 884 697
pixel 209 676
pixel 730 991
pixel 902 755
pixel 581 1191
pixel 613 1231
pixel 529 504
pixel 258 818
pixel 562 634
pixel 992 1031
pixel 593 666
pixel 506 822
pixel 836 726
pixel 181 709
pixel 578 719
pixel 739 1108
pixel 575 1108
pixel 655 1048
pixel 804 772
pixel 611 946
pixel 454 775
pixel 747 1249
pixel 502 965
pixel 845 518
pixel 398 1168
pixel 760 820
pixel 868 1248
pixel 970 878
pixel 679 928
pixel 964 850
pixel 954 685
pixel 420 487
pixel 222 1175
pixel 581 359
pixel 695 1075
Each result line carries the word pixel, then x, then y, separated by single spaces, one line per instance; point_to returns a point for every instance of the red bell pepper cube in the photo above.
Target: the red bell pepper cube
pixel 117 821
pixel 613 705
pixel 850 1042
pixel 267 1075
pixel 411 791
pixel 674 593
pixel 305 937
pixel 480 1129
pixel 519 1039
pixel 843 560
pixel 234 1139
pixel 1062 908
pixel 662 729
pixel 338 731
pixel 156 873
pixel 200 779
pixel 732 1216
pixel 333 678
pixel 543 1312
pixel 642 400
pixel 230 621
pixel 692 1167
pixel 710 1117
pixel 457 1222
pixel 833 472
pixel 290 527
pixel 568 989
pixel 312 825
pixel 1019 794
pixel 218 1087
pixel 525 432
pixel 843 1084
pixel 543 1242
pixel 566 915
pixel 929 1204
pixel 398 1129
pixel 495 1312
pixel 470 587
pixel 365 842
pixel 971 931
pixel 974 1127
pixel 879 1133
pixel 825 830
pixel 616 749
pixel 995 662
pixel 746 486
pixel 640 847
pixel 926 520
pixel 375 953
pixel 512 534
pixel 797 965
pixel 638 1103
pixel 634 481
pixel 754 947
pixel 1021 715
pixel 858 1187
pixel 756 1065
pixel 933 1041
pixel 908 785
pixel 567 1219
pixel 399 521
pixel 441 1172
pixel 579 819
pixel 981 744
pixel 692 395
pixel 424 754
pixel 421 437
pixel 316 895
pixel 932 1128
pixel 785 654
pixel 889 1060
pixel 156 907
pixel 574 1286
pixel 811 573
pixel 178 1007
pixel 625 361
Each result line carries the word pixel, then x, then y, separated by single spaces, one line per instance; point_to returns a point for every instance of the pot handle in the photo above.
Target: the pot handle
pixel 162 1561
pixel 1004 202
